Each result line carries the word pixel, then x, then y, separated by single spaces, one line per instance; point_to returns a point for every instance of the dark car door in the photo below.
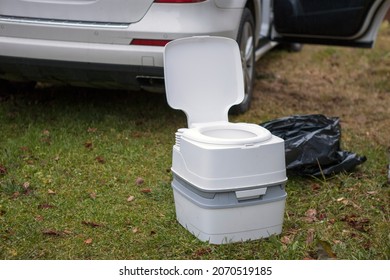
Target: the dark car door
pixel 332 22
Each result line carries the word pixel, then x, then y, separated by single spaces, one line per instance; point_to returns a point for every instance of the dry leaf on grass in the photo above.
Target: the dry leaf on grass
pixel 88 145
pixel 53 232
pixel 88 241
pixel 146 190
pixel 315 187
pixel 92 224
pixel 310 216
pixel 358 223
pixel 26 185
pixel 45 206
pixel 3 170
pixel 46 132
pixel 310 236
pixel 285 240
pixel 51 192
pixel 100 159
pixel 39 218
pixel 139 181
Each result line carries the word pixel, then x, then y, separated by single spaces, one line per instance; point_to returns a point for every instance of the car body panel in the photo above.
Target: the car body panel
pixel 113 11
pixel 332 22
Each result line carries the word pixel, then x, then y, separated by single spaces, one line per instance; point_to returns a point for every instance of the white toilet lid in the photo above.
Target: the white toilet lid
pixel 203 77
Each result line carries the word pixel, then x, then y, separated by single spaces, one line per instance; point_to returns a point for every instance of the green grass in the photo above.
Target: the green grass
pixel 70 159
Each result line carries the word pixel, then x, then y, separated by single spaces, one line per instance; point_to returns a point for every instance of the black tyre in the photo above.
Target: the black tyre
pixel 246 42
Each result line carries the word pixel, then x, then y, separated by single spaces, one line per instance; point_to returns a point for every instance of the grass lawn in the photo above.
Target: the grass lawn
pixel 85 174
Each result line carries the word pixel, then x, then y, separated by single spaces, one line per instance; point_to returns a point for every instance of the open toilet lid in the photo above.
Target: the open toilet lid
pixel 203 77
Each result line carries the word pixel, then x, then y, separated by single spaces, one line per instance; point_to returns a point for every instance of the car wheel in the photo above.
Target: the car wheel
pixel 246 42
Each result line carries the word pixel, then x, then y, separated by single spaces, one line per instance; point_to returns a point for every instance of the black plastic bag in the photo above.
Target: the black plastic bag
pixel 312 145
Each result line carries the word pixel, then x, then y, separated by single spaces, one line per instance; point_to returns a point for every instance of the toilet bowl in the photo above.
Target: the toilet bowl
pixel 203 78
pixel 226 133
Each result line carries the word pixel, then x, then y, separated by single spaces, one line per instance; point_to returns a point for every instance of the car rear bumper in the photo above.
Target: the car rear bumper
pixel 83 64
pixel 112 76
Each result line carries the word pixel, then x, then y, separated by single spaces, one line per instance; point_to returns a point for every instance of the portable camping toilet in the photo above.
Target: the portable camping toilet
pixel 228 178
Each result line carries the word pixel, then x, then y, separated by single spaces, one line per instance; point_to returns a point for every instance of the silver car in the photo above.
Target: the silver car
pixel 119 43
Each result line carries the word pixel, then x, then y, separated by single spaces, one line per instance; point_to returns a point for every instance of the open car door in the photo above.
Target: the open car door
pixel 329 22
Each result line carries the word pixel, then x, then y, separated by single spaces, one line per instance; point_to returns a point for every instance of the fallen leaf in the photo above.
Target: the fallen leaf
pixel 146 190
pixel 315 187
pixel 310 215
pixel 13 252
pixel 92 195
pixel 285 240
pixel 139 181
pixel 15 195
pixel 3 170
pixel 88 145
pixel 358 223
pixel 39 218
pixel 51 192
pixel 45 206
pixel 88 241
pixel 100 159
pixel 51 232
pixel 27 189
pixel 347 202
pixel 310 236
pixel 91 224
pixel 92 129
pixel 135 230
pixel 340 199
pixel 26 185
pixel 372 192
pixel 202 251
pixel 46 132
pixel 24 149
pixel 367 245
pixel 322 216
pixel 130 198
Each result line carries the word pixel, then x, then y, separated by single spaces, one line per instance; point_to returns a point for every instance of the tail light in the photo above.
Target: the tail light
pixel 149 42
pixel 178 1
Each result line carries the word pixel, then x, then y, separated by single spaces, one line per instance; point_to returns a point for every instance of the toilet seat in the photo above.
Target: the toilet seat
pixel 203 78
pixel 226 133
